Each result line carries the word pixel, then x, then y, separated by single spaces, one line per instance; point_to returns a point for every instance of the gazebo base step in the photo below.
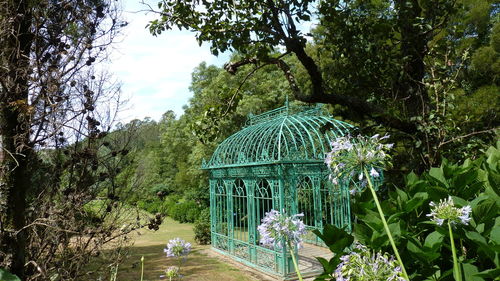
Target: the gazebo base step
pixel 308 264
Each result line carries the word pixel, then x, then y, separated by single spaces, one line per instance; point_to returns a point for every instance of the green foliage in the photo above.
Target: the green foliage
pixel 484 61
pixel 153 206
pixel 423 245
pixel 161 188
pixel 7 276
pixel 187 211
pixel 228 25
pixel 202 233
pixel 339 241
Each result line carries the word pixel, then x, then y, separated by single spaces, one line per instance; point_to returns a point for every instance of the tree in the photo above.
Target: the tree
pixel 51 122
pixel 373 58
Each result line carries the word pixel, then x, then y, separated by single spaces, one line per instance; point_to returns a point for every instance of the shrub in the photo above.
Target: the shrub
pixel 160 189
pixel 202 228
pixel 170 202
pixel 152 206
pixel 183 212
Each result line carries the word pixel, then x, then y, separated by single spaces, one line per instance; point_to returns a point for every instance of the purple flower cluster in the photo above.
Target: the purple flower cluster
pixel 177 248
pixel 361 264
pixel 446 210
pixel 350 156
pixel 277 227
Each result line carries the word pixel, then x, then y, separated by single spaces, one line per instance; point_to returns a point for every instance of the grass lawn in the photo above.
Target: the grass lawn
pixel 199 266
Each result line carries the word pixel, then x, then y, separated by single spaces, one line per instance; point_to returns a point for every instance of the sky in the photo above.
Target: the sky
pixel 155 72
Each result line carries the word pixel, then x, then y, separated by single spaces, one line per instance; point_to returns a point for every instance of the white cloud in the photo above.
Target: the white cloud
pixel 155 71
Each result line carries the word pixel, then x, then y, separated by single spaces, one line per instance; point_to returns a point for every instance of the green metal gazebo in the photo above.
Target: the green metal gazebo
pixel 275 162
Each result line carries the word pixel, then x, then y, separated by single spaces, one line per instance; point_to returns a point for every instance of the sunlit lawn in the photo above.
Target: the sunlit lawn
pixel 199 266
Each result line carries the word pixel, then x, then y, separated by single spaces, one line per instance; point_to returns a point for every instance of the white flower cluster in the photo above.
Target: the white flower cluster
pixel 350 156
pixel 275 227
pixel 446 210
pixel 177 248
pixel 363 265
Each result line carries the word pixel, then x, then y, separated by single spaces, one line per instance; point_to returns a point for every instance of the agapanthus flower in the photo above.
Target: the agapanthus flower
pixel 446 210
pixel 374 173
pixel 177 248
pixel 277 227
pixel 361 264
pixel 351 156
pixel 172 272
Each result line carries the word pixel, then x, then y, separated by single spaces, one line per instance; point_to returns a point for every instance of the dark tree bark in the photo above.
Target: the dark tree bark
pixel 413 50
pixel 14 129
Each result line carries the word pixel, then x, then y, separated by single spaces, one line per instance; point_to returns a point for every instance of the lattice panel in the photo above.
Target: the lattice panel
pixel 266 258
pixel 221 243
pixel 241 250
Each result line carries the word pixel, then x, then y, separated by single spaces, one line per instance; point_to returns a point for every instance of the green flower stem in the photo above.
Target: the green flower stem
pixel 386 227
pixel 142 268
pixel 179 268
pixel 294 261
pixel 456 269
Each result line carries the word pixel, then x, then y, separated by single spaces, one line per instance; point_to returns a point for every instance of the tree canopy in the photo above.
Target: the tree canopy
pixel 410 66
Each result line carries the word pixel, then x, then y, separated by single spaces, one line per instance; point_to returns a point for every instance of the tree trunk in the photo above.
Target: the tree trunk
pixel 413 50
pixel 15 130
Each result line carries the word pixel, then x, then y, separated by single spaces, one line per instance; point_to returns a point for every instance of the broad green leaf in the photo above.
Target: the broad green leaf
pixel 7 276
pixel 433 240
pixel 459 202
pixel 495 235
pixel 437 192
pixel 437 173
pixel 470 271
pixel 493 183
pixel 418 199
pixel 467 183
pixel 402 195
pixel 493 155
pixel 372 219
pixel 425 255
pixel 495 232
pixel 362 233
pixel 481 243
pixel 485 210
pixel 395 230
pixel 335 238
pixel 326 264
pixel 489 273
pixel 411 178
pixel 414 247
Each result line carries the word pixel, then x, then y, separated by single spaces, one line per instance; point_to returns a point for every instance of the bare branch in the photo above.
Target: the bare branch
pixel 468 135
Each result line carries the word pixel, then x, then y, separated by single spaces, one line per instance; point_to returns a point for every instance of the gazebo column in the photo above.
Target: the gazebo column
pixel 228 184
pixel 318 207
pixel 252 224
pixel 286 261
pixel 213 210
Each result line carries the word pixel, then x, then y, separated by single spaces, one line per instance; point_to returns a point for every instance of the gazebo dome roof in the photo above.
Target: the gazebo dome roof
pixel 282 135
